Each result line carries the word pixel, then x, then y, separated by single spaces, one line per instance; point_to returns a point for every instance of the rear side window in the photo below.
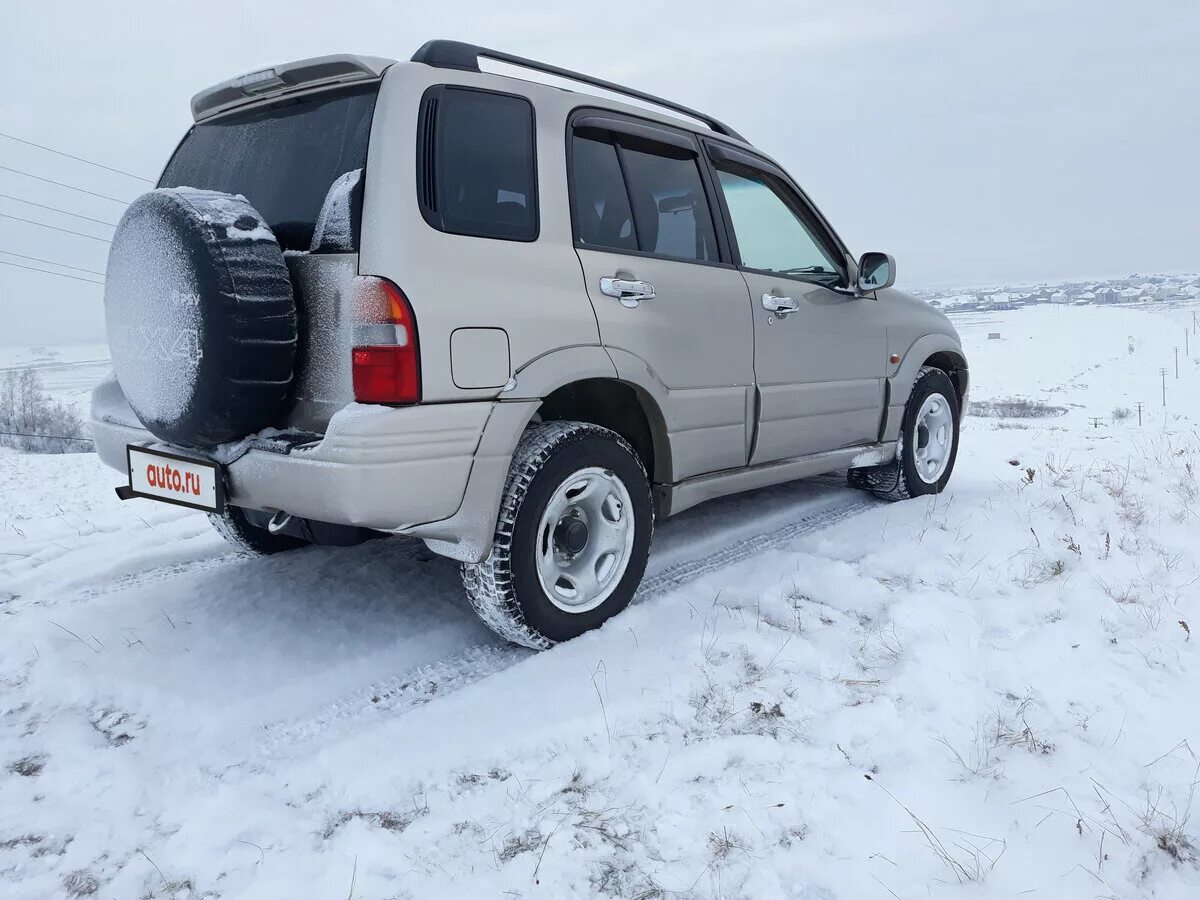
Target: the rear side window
pixel 648 199
pixel 603 217
pixel 669 206
pixel 284 159
pixel 476 164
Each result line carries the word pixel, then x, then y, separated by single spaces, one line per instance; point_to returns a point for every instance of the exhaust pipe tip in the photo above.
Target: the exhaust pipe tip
pixel 279 522
pixel 314 532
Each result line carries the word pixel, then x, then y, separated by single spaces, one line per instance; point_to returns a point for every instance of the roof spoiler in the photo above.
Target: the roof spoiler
pixel 282 79
pixel 465 57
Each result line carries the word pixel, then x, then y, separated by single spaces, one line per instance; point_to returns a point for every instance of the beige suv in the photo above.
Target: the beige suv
pixel 517 321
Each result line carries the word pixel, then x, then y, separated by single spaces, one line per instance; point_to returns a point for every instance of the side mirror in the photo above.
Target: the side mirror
pixel 875 272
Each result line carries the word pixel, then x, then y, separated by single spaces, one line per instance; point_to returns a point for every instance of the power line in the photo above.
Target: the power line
pixel 77 158
pixel 48 272
pixel 57 210
pixel 55 228
pixel 69 187
pixel 51 262
pixel 52 437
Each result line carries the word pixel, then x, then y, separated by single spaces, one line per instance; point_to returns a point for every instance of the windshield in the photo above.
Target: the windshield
pixel 283 158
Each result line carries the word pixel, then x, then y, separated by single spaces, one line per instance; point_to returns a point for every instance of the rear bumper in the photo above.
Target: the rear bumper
pixel 404 469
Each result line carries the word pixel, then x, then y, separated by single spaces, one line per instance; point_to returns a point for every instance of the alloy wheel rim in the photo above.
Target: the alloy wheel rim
pixel 585 539
pixel 933 438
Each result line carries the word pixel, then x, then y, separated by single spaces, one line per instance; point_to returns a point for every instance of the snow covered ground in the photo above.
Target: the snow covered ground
pixel 818 696
pixel 68 373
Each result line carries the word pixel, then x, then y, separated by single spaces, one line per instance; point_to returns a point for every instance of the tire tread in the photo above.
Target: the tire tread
pixel 489 585
pixel 237 530
pixel 888 481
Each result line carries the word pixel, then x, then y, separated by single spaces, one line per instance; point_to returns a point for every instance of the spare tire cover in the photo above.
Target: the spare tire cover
pixel 200 316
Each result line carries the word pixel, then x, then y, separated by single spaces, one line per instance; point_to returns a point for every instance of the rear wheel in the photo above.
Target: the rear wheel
pixel 242 529
pixel 573 536
pixel 928 444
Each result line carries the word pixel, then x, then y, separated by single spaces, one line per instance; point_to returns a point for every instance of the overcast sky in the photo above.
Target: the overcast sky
pixel 978 142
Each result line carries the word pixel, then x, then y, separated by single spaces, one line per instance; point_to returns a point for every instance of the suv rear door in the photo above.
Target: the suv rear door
pixel 819 353
pixel 296 159
pixel 643 215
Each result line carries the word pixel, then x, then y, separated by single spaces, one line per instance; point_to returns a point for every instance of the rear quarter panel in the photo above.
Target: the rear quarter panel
pixel 533 290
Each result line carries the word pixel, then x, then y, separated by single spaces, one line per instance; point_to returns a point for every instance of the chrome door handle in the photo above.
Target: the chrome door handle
pixel 780 305
pixel 628 291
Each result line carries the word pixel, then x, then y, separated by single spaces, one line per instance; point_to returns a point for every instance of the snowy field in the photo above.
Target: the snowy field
pixel 817 696
pixel 68 373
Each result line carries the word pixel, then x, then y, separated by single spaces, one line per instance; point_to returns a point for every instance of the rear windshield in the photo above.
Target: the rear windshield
pixel 283 159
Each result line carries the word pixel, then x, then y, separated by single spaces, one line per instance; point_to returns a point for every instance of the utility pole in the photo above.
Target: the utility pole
pixel 1163 373
pixel 1095 421
pixel 1187 347
pixel 1176 363
pixel 1139 409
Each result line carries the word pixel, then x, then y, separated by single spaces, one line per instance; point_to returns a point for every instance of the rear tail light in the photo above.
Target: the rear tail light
pixel 385 361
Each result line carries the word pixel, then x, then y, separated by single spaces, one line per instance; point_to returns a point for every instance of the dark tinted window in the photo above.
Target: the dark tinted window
pixel 283 159
pixel 477 170
pixel 602 214
pixel 670 210
pixel 649 198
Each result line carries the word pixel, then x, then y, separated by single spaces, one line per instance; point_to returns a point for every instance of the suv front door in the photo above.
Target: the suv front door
pixel 819 353
pixel 666 296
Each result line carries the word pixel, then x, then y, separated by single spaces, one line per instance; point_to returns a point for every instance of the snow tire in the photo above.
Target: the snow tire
pixel 898 480
pixel 235 526
pixel 504 589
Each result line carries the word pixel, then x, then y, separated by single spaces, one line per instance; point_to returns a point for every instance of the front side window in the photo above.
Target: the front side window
pixel 477 172
pixel 771 235
pixel 648 199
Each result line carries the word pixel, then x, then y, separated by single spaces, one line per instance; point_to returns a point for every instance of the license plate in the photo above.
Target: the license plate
pixel 174 479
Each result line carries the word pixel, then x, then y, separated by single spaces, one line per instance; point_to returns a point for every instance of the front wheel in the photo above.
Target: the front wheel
pixel 572 539
pixel 928 444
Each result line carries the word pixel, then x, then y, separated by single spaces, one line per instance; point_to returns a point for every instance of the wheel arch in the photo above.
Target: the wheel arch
pixel 953 364
pixel 620 406
pixel 585 383
pixel 942 351
pixel 546 392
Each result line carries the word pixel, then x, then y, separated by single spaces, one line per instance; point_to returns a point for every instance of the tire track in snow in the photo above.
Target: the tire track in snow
pixel 66 595
pixel 689 570
pixel 171 571
pixel 156 575
pixel 399 694
pixel 395 695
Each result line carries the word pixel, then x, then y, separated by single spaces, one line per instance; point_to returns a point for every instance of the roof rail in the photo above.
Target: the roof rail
pixel 458 55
